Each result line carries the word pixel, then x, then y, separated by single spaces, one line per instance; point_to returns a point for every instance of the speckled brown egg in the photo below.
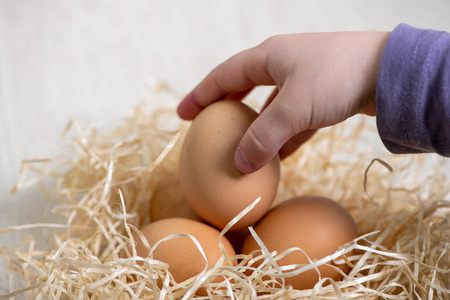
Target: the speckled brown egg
pixel 317 225
pixel 214 188
pixel 181 254
pixel 168 200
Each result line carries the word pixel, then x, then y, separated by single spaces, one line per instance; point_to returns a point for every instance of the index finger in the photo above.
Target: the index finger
pixel 239 73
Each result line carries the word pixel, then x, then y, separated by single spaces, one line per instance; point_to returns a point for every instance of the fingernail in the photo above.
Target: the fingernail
pixel 242 163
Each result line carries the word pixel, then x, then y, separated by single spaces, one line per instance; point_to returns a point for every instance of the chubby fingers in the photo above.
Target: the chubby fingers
pixel 295 142
pixel 283 120
pixel 236 76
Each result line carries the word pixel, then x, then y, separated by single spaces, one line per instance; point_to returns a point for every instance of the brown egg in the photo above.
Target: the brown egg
pixel 214 188
pixel 168 200
pixel 237 238
pixel 317 225
pixel 181 254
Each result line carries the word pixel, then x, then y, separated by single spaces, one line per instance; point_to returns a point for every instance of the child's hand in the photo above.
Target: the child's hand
pixel 321 79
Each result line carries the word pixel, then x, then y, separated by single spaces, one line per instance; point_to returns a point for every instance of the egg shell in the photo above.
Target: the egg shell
pixel 181 254
pixel 168 200
pixel 317 225
pixel 237 238
pixel 214 188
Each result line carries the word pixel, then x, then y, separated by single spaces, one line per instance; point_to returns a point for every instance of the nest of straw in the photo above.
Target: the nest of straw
pixel 103 181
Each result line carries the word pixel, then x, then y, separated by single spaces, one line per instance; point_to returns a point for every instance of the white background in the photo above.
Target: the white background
pixel 90 60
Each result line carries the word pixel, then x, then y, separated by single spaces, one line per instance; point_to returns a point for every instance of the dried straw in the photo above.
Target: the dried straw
pixel 103 182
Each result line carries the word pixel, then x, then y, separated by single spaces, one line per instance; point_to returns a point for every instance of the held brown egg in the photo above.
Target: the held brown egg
pixel 181 254
pixel 317 225
pixel 214 188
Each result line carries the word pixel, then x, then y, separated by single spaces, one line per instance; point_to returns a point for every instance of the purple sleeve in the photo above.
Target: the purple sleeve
pixel 413 91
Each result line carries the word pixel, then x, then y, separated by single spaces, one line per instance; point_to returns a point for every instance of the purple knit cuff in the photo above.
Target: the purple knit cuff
pixel 413 91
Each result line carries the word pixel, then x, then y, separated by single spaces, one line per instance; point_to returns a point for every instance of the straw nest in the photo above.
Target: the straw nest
pixel 102 183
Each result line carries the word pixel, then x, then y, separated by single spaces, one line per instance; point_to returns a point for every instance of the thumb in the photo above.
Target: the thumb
pixel 295 142
pixel 270 131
